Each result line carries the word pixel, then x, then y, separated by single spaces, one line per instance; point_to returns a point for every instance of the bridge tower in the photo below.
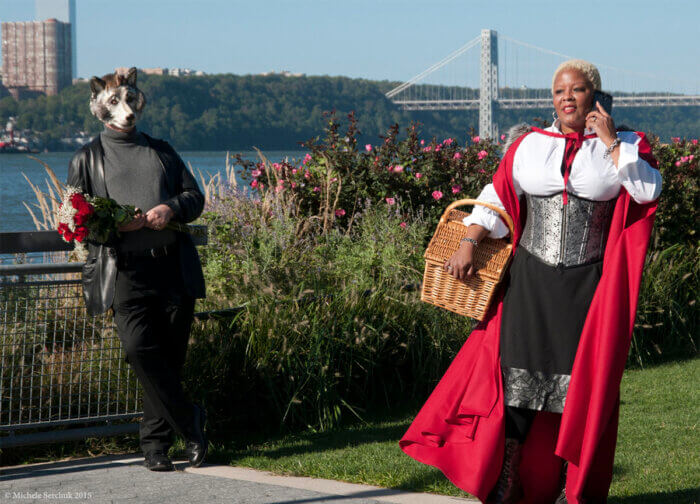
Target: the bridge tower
pixel 488 93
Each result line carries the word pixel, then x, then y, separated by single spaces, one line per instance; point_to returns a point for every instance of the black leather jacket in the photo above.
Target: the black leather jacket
pixel 86 172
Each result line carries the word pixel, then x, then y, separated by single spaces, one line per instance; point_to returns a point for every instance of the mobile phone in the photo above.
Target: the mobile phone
pixel 605 100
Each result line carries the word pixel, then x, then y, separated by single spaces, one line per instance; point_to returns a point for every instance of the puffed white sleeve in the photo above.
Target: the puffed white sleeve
pixel 485 217
pixel 639 178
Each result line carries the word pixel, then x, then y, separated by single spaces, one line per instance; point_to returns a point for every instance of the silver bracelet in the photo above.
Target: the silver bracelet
pixel 470 240
pixel 611 147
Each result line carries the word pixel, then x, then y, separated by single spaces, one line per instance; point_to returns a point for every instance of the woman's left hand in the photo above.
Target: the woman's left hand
pixel 600 121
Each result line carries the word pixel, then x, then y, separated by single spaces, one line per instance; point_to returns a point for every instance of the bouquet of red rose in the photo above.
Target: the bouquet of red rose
pixel 97 219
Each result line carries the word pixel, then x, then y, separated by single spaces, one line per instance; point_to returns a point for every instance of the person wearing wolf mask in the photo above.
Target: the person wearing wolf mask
pixel 149 276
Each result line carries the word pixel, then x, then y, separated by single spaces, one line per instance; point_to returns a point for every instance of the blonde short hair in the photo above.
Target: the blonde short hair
pixel 585 67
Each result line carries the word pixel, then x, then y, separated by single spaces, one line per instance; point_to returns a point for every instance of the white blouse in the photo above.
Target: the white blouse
pixel 537 171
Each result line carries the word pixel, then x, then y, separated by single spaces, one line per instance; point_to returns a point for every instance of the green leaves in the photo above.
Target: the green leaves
pixel 108 217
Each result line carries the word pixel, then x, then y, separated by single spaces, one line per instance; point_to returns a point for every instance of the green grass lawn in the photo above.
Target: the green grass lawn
pixel 657 461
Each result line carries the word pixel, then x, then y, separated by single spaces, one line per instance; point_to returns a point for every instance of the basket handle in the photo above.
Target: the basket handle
pixel 506 218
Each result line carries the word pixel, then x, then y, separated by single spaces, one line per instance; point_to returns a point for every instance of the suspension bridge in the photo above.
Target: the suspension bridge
pixel 522 82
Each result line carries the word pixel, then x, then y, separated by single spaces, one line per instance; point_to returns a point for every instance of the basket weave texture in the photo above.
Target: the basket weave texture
pixel 491 258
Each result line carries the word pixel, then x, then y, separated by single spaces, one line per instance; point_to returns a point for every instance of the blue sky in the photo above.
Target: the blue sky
pixel 379 39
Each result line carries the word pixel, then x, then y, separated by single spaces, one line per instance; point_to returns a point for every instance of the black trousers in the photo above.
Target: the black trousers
pixel 153 319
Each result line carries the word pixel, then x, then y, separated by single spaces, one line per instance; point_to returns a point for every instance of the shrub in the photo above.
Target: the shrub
pixel 328 325
pixel 677 215
pixel 337 176
pixel 667 310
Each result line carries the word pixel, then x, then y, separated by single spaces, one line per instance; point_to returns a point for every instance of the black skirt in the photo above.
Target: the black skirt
pixel 544 310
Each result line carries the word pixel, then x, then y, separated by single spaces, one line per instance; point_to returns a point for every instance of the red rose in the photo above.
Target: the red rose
pixel 77 199
pixel 81 233
pixel 87 208
pixel 62 228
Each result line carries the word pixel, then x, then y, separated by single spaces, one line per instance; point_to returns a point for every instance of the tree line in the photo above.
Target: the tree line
pixel 237 112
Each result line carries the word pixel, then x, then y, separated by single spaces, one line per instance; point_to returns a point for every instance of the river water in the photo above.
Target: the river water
pixel 14 189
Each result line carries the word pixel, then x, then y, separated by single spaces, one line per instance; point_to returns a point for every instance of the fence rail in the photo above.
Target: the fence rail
pixel 59 367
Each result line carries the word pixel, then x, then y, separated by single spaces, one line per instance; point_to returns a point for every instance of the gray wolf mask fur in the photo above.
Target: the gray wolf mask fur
pixel 115 99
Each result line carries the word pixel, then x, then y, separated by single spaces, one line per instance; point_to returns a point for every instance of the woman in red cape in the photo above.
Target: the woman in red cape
pixel 462 428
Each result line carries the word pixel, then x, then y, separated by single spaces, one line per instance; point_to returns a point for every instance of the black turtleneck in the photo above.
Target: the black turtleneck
pixel 134 175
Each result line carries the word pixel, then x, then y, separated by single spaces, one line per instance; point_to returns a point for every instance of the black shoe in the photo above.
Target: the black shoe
pixel 197 447
pixel 158 461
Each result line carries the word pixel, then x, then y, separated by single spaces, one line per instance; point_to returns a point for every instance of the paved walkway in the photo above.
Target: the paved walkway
pixel 123 479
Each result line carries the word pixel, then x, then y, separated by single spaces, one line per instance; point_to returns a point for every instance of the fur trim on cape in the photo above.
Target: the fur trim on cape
pixel 514 133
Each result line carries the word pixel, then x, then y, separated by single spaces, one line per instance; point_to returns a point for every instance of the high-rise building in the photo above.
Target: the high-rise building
pixel 61 10
pixel 36 56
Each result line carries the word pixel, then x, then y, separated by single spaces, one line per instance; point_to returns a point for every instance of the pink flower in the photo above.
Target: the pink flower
pixel 678 163
pixel 294 171
pixel 254 184
pixel 482 154
pixel 684 159
pixel 447 141
pixel 482 170
pixel 279 189
pixel 476 139
pixel 503 138
pixel 280 183
pixel 293 184
pixel 437 195
pixel 427 149
pixel 317 189
pixel 691 157
pixel 307 174
pixel 340 212
pixel 457 156
pixel 419 175
pixel 390 168
pixel 675 139
pixel 398 168
pixel 256 173
pixel 422 142
pixel 456 189
pixel 276 166
pixel 307 158
pixel 334 179
pixel 368 147
pixel 695 141
pixel 390 201
pixel 403 225
pixel 437 148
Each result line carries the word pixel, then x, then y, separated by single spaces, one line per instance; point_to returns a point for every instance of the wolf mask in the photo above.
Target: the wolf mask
pixel 115 99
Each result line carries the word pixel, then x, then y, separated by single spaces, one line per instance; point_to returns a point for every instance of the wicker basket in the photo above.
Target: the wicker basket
pixel 491 258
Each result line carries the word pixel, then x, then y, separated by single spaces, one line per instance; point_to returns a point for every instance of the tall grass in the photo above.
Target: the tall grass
pixel 667 314
pixel 328 328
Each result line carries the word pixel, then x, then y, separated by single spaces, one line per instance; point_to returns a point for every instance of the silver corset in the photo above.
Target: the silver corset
pixel 571 234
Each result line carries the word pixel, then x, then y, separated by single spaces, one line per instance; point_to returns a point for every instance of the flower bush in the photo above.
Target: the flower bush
pixel 336 176
pixel 677 215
